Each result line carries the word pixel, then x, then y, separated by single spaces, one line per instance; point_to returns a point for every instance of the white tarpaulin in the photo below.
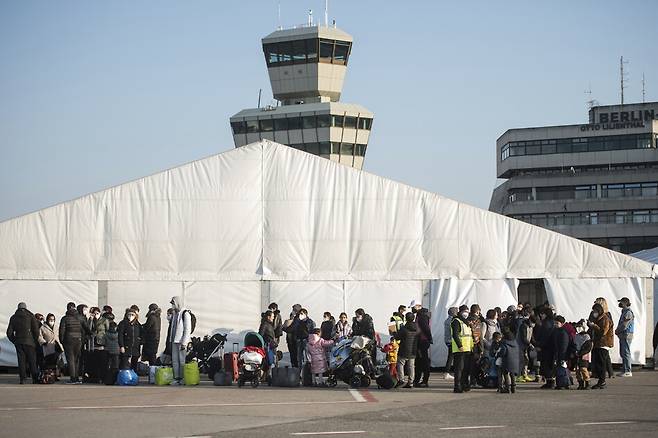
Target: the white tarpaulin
pixel 453 293
pixel 41 297
pixel 573 299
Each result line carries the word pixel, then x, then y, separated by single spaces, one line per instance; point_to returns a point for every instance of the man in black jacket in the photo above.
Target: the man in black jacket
pixel 424 342
pixel 291 340
pixel 23 332
pixel 278 323
pixel 363 325
pixel 408 337
pixel 72 331
pixel 151 334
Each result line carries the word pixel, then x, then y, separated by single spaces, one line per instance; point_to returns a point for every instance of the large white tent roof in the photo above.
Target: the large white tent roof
pixel 269 212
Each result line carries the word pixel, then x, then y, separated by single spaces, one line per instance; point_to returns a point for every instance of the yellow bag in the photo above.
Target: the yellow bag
pixel 191 375
pixel 164 376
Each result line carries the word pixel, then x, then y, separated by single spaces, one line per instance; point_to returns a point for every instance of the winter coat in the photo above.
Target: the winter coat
pixel 524 333
pixel 51 341
pixel 447 339
pixel 489 328
pixel 102 326
pixel 278 324
pixel 112 342
pixel 583 345
pixel 423 323
pixel 23 328
pixel 365 327
pixel 391 350
pixel 302 329
pixel 560 344
pixel 602 332
pixel 266 330
pixel 181 321
pixel 130 337
pixel 72 329
pixel 544 338
pixel 327 329
pixel 510 356
pixel 343 331
pixel 151 332
pixel 408 336
pixel 315 349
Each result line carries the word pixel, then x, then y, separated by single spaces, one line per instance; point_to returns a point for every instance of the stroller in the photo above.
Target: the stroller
pixel 351 363
pixel 209 352
pixel 251 360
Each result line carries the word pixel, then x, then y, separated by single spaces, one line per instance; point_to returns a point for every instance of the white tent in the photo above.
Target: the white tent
pixel 265 222
pixel 651 256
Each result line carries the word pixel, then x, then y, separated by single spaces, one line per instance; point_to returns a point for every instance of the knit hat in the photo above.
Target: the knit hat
pixel 463 308
pixel 153 307
pixel 22 305
pixel 107 309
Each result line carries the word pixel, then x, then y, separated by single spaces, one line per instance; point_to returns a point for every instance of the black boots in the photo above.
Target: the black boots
pixel 599 385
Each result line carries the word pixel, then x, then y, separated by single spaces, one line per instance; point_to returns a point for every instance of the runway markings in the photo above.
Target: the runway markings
pixel 357 396
pixel 362 396
pixel 340 432
pixel 470 427
pixel 191 405
pixel 604 422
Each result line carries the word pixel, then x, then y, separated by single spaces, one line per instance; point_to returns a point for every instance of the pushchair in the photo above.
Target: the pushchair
pixel 209 352
pixel 251 360
pixel 351 363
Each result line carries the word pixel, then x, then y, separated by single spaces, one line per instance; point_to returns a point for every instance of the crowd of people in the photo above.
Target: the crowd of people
pixel 497 349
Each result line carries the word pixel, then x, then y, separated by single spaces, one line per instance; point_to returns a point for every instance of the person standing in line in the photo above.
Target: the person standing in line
pixel 583 345
pixel 478 326
pixel 291 340
pixel 151 332
pixel 343 328
pixel 267 332
pixel 560 341
pixel 422 372
pixel 130 339
pixel 602 342
pixel 303 327
pixel 447 339
pixel 624 332
pixel 408 335
pixel 72 331
pixel 278 323
pixel 23 331
pixel 51 346
pixel 181 332
pixel 327 326
pixel 462 349
pixel 363 325
pixel 604 304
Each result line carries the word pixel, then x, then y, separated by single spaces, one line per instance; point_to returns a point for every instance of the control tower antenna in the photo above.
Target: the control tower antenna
pixel 643 84
pixel 622 78
pixel 326 13
pixel 590 102
pixel 278 10
pixel 310 18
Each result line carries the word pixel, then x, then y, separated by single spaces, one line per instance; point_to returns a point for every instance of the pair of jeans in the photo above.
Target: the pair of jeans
pixel 301 352
pixel 422 363
pixel 27 358
pixel 406 368
pixel 73 351
pixel 625 352
pixel 177 360
pixel 462 370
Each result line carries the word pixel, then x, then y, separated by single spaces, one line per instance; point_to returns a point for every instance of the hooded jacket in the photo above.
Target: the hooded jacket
pixel 266 330
pixel 71 328
pixel 181 323
pixel 560 344
pixel 602 332
pixel 102 326
pixel 112 342
pixel 327 329
pixel 151 331
pixel 408 336
pixel 365 327
pixel 23 328
pixel 447 338
pixel 315 348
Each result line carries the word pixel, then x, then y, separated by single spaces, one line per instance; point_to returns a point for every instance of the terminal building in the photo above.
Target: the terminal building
pixel 596 181
pixel 307 67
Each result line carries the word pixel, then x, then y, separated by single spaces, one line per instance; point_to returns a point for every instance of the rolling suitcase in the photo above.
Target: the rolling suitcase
pixel 285 377
pixel 222 378
pixel 231 362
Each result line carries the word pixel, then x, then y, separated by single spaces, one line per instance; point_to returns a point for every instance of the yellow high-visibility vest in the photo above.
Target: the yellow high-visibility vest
pixel 465 336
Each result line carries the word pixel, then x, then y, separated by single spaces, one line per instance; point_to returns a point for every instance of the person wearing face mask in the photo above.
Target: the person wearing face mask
pixel 72 331
pixel 165 359
pixel 461 341
pixel 86 321
pixel 624 332
pixel 343 328
pixel 524 341
pixel 181 333
pixel 130 340
pixel 602 342
pixel 362 325
pixel 51 347
pixel 327 326
pixel 302 328
pixel 476 322
pixel 151 331
pixel 291 341
pixel 278 323
pixel 447 339
pixel 583 345
pixel 604 304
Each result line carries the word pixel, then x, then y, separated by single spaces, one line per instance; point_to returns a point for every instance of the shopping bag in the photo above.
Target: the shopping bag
pixel 191 375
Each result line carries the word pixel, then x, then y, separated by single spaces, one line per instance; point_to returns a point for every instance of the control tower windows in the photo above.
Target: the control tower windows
pixel 337 121
pixel 365 123
pixel 294 123
pixel 308 122
pixel 341 50
pixel 266 125
pixel 305 122
pixel 281 124
pixel 326 50
pixel 307 51
pixel 252 126
pixel 299 52
pixel 350 122
pixel 324 121
pixel 239 127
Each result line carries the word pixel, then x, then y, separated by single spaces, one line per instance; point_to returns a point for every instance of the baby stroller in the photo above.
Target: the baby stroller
pixel 351 363
pixel 209 352
pixel 251 360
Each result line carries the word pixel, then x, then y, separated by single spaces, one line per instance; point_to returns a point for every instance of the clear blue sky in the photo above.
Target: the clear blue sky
pixel 93 94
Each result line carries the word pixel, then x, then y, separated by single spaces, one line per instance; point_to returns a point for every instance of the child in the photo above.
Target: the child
pixel 112 347
pixel 391 350
pixel 496 354
pixel 583 354
pixel 510 361
pixel 316 351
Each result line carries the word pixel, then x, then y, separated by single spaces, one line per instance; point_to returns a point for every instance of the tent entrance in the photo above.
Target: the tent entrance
pixel 532 291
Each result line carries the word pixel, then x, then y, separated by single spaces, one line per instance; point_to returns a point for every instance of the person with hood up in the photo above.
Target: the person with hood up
pixel 422 373
pixel 51 346
pixel 23 331
pixel 278 323
pixel 72 330
pixel 511 360
pixel 583 344
pixel 316 347
pixel 151 334
pixel 291 341
pixel 343 328
pixel 408 335
pixel 602 343
pixel 181 332
pixel 447 339
pixel 461 342
pixel 130 339
pixel 624 332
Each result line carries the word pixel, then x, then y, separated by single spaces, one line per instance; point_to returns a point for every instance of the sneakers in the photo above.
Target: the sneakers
pixel 408 385
pixel 448 376
pixel 625 374
pixel 175 383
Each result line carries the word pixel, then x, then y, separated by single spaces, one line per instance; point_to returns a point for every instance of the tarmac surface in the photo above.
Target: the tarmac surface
pixel 628 407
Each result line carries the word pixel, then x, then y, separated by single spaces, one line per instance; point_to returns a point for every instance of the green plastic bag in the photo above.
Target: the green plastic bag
pixel 164 376
pixel 191 375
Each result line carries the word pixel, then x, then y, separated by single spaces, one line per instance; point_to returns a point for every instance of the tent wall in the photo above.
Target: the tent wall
pixel 573 299
pixel 41 297
pixel 448 293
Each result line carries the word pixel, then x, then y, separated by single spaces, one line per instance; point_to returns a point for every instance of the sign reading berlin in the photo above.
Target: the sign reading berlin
pixel 621 120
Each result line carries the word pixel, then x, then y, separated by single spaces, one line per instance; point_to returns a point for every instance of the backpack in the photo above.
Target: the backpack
pixel 192 320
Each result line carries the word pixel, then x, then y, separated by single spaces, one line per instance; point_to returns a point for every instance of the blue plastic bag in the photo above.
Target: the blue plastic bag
pixel 127 378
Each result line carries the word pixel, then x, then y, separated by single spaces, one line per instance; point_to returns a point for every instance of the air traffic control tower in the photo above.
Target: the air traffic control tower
pixel 307 68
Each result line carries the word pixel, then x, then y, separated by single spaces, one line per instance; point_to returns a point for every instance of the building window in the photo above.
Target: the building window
pixel 266 125
pixel 325 148
pixel 294 123
pixel 324 121
pixel 239 127
pixel 337 121
pixel 309 122
pixel 306 51
pixel 280 124
pixel 346 149
pixel 326 50
pixel 627 190
pixel 252 126
pixel 350 122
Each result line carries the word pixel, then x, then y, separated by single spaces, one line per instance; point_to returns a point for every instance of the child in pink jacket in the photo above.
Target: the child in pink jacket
pixel 316 352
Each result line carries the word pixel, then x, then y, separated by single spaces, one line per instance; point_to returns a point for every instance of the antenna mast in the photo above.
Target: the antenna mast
pixel 643 84
pixel 622 78
pixel 326 13
pixel 279 15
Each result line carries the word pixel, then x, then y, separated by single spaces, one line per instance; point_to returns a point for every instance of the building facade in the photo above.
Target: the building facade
pixel 307 67
pixel 596 181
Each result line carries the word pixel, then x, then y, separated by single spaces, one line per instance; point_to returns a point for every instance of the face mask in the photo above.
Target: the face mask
pixel 85 312
pixel 579 329
pixel 464 315
pixel 131 318
pixel 302 317
pixel 51 323
pixel 595 314
pixel 359 318
pixel 621 305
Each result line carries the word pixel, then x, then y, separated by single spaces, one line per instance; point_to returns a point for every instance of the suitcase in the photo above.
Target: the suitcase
pixel 94 366
pixel 231 362
pixel 285 377
pixel 386 380
pixel 307 377
pixel 222 378
pixel 562 377
pixel 214 366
